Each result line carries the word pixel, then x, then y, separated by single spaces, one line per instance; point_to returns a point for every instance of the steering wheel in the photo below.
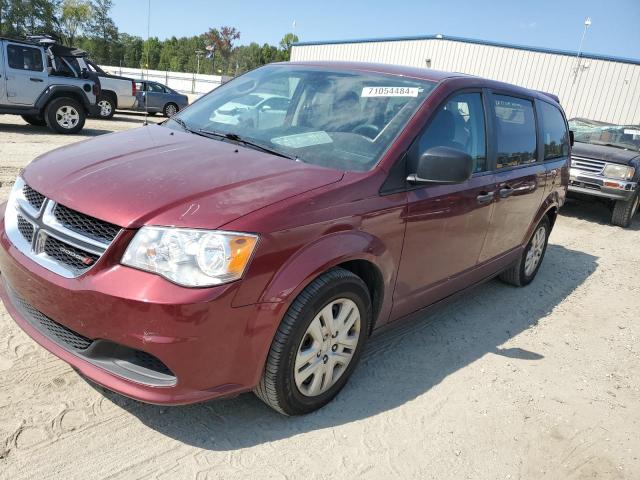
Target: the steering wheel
pixel 367 130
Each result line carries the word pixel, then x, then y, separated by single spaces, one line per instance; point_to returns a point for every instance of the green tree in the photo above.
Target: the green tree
pixel 76 15
pixel 103 31
pixel 285 46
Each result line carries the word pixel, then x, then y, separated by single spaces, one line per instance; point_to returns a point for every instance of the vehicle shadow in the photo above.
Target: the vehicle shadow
pixel 398 365
pixel 594 210
pixel 34 130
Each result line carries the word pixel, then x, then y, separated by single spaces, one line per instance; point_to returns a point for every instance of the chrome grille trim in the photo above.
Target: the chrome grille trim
pixel 590 165
pixel 74 249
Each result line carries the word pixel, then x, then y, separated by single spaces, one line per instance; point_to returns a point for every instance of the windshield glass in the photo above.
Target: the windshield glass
pixel 619 136
pixel 333 118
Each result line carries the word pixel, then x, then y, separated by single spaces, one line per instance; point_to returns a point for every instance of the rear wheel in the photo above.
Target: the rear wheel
pixel 170 109
pixel 65 115
pixel 36 120
pixel 624 211
pixel 106 107
pixel 525 270
pixel 317 345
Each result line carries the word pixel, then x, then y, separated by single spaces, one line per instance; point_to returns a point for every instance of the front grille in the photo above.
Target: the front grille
pixel 34 198
pixel 26 228
pixel 59 333
pixel 69 255
pixel 58 238
pixel 587 164
pixel 85 225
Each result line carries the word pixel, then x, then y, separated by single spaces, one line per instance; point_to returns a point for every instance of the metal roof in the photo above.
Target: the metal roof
pixel 594 56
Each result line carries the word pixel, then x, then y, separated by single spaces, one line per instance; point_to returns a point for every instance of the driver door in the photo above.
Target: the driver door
pixel 446 225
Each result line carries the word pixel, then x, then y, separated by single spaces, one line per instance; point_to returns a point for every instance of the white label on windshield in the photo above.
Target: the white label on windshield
pixel 390 91
pixel 629 131
pixel 302 140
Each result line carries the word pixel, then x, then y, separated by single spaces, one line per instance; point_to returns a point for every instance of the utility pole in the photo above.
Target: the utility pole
pixel 587 24
pixel 199 54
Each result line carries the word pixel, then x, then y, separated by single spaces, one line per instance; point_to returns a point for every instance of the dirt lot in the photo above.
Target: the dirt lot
pixel 542 382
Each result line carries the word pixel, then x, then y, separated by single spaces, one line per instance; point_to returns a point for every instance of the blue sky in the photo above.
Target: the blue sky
pixel 543 23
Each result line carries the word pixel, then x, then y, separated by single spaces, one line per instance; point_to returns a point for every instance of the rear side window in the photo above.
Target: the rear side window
pixel 516 131
pixel 25 58
pixel 459 124
pixel 554 132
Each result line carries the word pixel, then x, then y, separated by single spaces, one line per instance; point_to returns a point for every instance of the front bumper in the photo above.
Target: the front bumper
pixel 600 186
pixel 205 347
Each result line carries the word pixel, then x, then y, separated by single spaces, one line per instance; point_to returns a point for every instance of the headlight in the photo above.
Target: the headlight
pixel 190 257
pixel 622 172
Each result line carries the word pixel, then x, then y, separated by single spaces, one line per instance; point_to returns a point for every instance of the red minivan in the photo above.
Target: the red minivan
pixel 256 239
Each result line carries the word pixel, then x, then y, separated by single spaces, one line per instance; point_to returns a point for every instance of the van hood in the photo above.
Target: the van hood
pixel 158 176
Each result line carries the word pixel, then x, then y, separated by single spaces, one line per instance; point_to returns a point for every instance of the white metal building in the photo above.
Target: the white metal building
pixel 590 86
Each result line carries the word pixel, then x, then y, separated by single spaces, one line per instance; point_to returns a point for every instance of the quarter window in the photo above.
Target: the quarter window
pixel 24 58
pixel 459 124
pixel 554 132
pixel 516 131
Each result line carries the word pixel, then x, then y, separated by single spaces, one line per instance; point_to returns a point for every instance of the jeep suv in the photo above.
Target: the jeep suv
pixel 46 83
pixel 197 259
pixel 606 165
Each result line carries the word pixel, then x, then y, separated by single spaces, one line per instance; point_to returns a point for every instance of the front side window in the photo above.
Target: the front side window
pixel 24 58
pixel 459 124
pixel 341 119
pixel 516 131
pixel 554 132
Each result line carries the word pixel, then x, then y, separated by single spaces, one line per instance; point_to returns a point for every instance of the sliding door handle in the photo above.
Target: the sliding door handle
pixel 35 79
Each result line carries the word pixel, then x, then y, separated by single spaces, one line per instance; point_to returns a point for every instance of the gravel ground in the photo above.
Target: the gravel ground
pixel 541 382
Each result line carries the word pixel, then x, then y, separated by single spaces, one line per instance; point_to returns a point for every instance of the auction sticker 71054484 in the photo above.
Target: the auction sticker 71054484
pixel 390 91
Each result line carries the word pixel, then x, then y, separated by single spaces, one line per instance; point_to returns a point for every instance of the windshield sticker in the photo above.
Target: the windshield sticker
pixel 390 91
pixel 301 140
pixel 629 131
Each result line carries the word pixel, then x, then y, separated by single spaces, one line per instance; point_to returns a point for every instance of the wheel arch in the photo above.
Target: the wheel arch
pixel 62 91
pixel 356 251
pixel 112 95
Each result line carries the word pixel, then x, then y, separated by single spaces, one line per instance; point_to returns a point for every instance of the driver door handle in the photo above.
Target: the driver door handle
pixel 35 79
pixel 485 197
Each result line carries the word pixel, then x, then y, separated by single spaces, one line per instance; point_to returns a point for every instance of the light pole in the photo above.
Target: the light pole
pixel 199 54
pixel 587 24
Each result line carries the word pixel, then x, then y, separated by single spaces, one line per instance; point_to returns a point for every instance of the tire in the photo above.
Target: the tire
pixel 36 120
pixel 521 273
pixel 623 211
pixel 279 387
pixel 55 111
pixel 170 109
pixel 106 107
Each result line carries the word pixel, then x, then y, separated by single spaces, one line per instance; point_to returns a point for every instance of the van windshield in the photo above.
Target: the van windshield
pixel 334 118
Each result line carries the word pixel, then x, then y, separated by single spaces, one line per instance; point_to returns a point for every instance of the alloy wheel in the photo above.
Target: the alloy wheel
pixel 171 110
pixel 67 117
pixel 327 347
pixel 105 108
pixel 536 249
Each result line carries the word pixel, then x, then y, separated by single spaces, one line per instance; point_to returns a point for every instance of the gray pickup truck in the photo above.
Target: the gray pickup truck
pixel 47 84
pixel 605 163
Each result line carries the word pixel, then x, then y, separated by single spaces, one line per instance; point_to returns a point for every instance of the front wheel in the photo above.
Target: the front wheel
pixel 623 211
pixel 170 109
pixel 317 345
pixel 525 270
pixel 65 115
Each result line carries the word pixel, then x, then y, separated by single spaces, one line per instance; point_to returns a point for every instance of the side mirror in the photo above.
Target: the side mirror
pixel 442 165
pixel 571 137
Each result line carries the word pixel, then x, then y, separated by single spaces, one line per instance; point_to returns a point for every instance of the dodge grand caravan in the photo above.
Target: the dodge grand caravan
pixel 198 259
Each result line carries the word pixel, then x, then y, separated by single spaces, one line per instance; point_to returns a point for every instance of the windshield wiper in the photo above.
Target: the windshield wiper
pixel 182 123
pixel 234 137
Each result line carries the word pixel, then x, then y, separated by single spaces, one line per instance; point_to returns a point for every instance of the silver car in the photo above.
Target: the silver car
pixel 155 98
